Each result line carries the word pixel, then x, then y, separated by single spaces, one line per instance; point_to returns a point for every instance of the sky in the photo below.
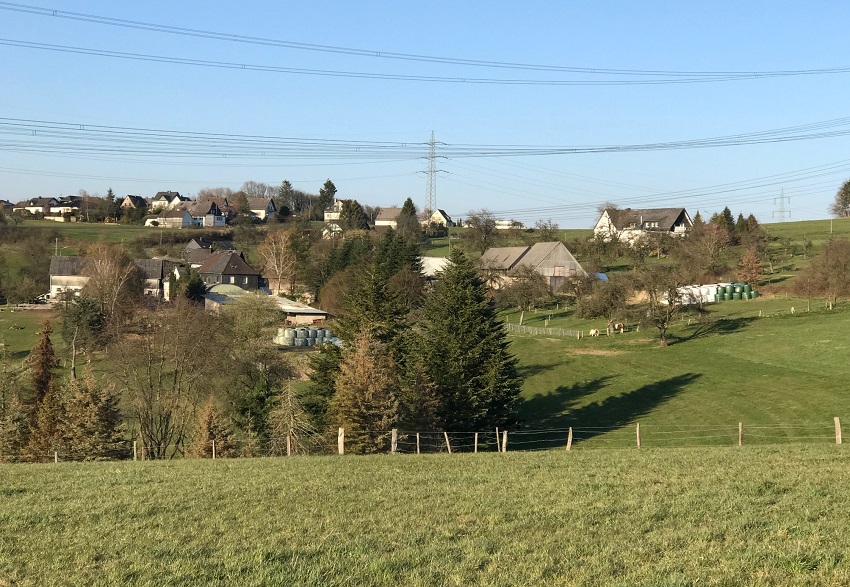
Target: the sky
pixel 351 91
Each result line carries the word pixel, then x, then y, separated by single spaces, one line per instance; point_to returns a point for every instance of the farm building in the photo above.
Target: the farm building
pixel 552 260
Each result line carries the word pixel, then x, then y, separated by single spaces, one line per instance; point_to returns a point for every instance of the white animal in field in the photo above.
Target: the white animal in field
pixel 593 332
pixel 619 326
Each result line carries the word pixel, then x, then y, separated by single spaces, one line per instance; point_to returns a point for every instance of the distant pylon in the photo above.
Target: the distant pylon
pixel 781 214
pixel 431 190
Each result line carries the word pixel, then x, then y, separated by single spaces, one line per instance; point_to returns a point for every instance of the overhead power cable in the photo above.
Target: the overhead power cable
pixel 47 136
pixel 393 55
pixel 360 74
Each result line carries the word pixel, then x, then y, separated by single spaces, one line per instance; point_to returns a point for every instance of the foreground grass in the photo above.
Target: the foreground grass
pixel 638 518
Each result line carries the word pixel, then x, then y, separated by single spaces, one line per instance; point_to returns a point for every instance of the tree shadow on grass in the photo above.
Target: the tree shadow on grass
pixel 719 326
pixel 546 411
pixel 597 418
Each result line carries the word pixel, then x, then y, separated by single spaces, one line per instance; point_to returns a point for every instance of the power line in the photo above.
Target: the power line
pixel 49 137
pixel 360 74
pixel 392 55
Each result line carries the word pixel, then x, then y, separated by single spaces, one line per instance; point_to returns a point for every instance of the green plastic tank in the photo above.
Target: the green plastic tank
pixel 736 295
pixel 747 288
pixel 754 294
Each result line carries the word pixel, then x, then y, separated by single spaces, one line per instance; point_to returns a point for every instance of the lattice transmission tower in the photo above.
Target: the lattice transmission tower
pixel 781 213
pixel 431 189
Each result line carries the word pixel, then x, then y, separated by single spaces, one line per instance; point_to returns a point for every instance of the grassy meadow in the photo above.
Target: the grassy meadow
pixel 650 517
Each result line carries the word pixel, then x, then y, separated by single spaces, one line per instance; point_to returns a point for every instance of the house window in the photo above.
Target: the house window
pixel 245 280
pixel 232 279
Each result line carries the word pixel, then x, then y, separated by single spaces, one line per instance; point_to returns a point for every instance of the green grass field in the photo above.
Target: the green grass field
pixel 93 232
pixel 677 517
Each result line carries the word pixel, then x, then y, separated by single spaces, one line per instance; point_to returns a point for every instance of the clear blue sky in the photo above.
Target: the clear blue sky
pixel 670 36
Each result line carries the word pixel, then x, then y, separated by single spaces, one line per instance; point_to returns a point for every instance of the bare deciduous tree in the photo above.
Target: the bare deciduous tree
pixel 164 370
pixel 279 259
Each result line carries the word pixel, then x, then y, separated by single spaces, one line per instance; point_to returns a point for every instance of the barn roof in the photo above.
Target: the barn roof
pixel 503 257
pixel 65 265
pixel 665 217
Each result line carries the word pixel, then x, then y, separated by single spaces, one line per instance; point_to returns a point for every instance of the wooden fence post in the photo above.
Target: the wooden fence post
pixel 570 438
pixel 143 452
pixel 55 456
pixel 837 430
pixel 135 453
pixel 476 443
pixel 340 441
pixel 289 445
pixel 498 446
pixel 504 441
pixel 637 434
pixel 213 448
pixel 394 441
pixel 740 434
pixel 448 444
pixel 417 443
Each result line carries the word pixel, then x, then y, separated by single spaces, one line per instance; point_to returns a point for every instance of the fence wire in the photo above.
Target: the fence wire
pixel 408 442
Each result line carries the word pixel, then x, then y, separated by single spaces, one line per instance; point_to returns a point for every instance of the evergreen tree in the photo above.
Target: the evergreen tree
pixel 212 427
pixel 94 425
pixel 14 421
pixel 324 370
pixel 740 227
pixel 327 193
pixel 42 363
pixel 352 216
pixel 407 222
pixel 46 431
pixel 465 350
pixel 698 222
pixel 366 400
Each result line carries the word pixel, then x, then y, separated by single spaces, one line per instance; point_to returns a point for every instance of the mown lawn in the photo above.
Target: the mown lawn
pixel 654 517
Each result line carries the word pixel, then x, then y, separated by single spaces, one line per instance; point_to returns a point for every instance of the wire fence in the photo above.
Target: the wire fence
pixel 397 441
pixel 536 331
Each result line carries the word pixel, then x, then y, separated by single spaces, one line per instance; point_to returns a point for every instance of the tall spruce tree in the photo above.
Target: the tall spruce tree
pixel 42 363
pixel 94 425
pixel 465 350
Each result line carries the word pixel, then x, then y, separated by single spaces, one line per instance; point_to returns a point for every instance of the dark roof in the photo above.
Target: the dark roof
pixel 227 263
pixel 198 209
pixel 169 195
pixel 151 268
pixel 39 201
pixel 6 203
pixel 665 217
pixel 136 201
pixel 65 265
pixel 207 243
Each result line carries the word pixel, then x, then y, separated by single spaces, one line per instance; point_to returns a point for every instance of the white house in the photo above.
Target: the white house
pixel 66 276
pixel 262 208
pixel 439 217
pixel 630 225
pixel 388 217
pixel 166 201
pixel 170 219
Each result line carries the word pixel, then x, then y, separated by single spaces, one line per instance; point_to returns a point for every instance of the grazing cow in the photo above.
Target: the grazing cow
pixel 619 326
pixel 593 332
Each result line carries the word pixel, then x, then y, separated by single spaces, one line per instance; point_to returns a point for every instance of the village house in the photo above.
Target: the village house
pixel 156 273
pixel 134 202
pixel 170 219
pixel 36 206
pixel 295 313
pixel 229 267
pixel 66 276
pixel 206 214
pixel 552 260
pixel 198 250
pixel 440 218
pixel 262 208
pixel 167 201
pixel 388 217
pixel 630 225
